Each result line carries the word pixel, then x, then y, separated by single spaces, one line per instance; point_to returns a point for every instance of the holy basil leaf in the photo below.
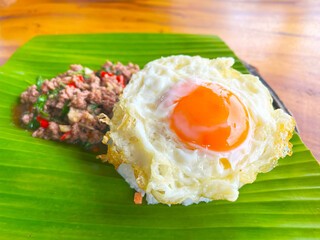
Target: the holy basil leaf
pixel 54 93
pixel 41 101
pixel 39 83
pixel 94 106
pixel 33 124
pixel 82 71
pixel 62 84
pixel 98 73
pixel 86 145
pixel 44 113
pixel 66 108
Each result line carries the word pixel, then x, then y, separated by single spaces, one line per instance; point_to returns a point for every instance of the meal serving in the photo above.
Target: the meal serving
pixel 190 129
pixel 182 130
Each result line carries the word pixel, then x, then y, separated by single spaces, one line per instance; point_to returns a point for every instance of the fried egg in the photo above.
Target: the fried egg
pixel 190 129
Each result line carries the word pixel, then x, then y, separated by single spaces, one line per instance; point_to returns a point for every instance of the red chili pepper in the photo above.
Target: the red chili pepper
pixel 43 123
pixel 120 79
pixel 63 137
pixel 103 73
pixel 110 74
pixel 80 77
pixel 72 85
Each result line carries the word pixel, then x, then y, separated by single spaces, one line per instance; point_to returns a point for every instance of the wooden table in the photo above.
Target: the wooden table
pixel 281 38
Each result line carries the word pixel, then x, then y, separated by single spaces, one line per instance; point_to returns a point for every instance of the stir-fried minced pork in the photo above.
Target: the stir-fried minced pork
pixel 66 107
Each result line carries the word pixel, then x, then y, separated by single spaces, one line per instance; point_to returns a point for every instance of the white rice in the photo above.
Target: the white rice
pixel 126 171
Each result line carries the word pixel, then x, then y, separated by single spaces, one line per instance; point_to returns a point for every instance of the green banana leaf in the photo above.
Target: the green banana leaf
pixel 50 190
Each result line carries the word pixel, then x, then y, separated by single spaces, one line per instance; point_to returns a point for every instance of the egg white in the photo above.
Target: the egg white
pixel 167 170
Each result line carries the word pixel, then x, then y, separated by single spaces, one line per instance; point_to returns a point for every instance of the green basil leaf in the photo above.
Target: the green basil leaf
pixel 94 106
pixel 66 108
pixel 98 73
pixel 41 101
pixel 54 93
pixel 86 145
pixel 39 83
pixel 33 124
pixel 82 71
pixel 63 85
pixel 44 113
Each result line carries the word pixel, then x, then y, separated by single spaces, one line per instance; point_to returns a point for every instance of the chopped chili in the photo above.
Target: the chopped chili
pixel 72 85
pixel 80 77
pixel 110 74
pixel 63 137
pixel 120 79
pixel 103 73
pixel 43 123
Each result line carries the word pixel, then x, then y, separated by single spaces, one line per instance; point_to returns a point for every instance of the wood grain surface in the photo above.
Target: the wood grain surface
pixel 280 38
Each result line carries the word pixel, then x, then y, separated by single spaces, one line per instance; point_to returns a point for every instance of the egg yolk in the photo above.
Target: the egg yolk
pixel 210 116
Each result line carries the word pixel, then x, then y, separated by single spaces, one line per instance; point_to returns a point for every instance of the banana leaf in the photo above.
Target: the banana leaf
pixel 50 190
